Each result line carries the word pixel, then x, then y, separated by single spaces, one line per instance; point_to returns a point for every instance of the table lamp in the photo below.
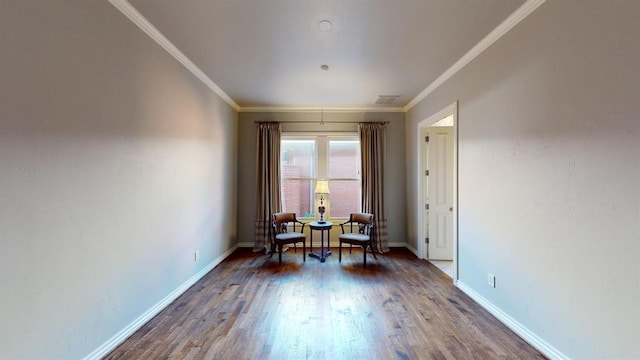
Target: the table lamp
pixel 322 188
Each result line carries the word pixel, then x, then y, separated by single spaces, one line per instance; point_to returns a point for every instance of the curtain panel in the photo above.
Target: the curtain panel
pixel 268 197
pixel 373 153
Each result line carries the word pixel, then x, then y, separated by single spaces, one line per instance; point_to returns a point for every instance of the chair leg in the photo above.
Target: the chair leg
pixel 364 253
pixel 280 254
pixel 350 247
pixel 373 251
pixel 304 258
pixel 340 252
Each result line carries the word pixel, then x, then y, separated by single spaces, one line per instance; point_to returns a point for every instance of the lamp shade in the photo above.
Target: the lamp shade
pixel 322 187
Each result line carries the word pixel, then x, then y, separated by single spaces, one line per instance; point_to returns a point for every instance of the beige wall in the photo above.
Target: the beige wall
pixel 116 164
pixel 395 180
pixel 549 167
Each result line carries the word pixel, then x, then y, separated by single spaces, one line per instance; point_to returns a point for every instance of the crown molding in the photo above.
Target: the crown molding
pixel 318 109
pixel 520 14
pixel 132 14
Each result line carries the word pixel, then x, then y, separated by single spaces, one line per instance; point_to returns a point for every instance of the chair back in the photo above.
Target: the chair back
pixel 282 219
pixel 364 221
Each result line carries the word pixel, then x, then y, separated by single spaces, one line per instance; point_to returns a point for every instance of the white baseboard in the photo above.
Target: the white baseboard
pixel 123 334
pixel 544 347
pixel 413 250
pixel 526 334
pixel 398 245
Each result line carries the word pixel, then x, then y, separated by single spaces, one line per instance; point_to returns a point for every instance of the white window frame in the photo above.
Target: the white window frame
pixel 321 168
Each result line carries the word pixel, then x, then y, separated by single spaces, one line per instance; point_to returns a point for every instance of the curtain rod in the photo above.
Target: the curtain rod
pixel 322 122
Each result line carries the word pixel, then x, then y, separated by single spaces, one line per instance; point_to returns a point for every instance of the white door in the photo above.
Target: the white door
pixel 440 193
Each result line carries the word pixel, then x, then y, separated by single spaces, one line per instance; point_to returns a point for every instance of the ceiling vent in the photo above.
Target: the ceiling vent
pixel 386 99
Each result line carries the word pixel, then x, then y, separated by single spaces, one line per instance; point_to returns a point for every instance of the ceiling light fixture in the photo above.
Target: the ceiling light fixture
pixel 324 67
pixel 325 25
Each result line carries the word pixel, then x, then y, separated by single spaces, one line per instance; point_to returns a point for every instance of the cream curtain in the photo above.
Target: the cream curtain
pixel 373 153
pixel 268 197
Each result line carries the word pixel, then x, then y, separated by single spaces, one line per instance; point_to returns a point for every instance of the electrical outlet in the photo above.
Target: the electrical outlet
pixel 491 279
pixel 196 255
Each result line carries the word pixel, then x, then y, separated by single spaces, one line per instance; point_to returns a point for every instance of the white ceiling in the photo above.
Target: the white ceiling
pixel 268 53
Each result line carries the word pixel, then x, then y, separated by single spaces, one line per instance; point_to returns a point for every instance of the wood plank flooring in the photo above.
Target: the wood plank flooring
pixel 249 307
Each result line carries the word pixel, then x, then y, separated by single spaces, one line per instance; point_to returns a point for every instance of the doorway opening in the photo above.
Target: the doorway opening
pixel 438 188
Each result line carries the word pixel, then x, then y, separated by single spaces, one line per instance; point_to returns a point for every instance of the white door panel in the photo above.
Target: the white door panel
pixel 440 190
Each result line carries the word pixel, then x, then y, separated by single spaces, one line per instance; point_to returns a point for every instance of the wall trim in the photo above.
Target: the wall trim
pixel 413 250
pixel 137 18
pixel 319 109
pixel 522 331
pixel 108 346
pixel 136 324
pixel 130 12
pixel 520 14
pixel 398 244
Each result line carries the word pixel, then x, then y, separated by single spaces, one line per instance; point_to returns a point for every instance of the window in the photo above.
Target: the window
pixel 344 176
pixel 298 162
pixel 305 159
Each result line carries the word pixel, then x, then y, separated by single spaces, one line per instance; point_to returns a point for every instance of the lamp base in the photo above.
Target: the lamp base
pixel 321 210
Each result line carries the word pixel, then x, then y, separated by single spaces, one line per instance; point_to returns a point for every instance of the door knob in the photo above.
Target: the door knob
pixel 451 209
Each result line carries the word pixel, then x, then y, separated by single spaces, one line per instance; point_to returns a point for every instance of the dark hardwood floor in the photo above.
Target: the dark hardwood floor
pixel 249 307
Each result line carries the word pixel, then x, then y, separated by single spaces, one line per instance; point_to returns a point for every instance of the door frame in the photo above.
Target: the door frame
pixel 422 185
